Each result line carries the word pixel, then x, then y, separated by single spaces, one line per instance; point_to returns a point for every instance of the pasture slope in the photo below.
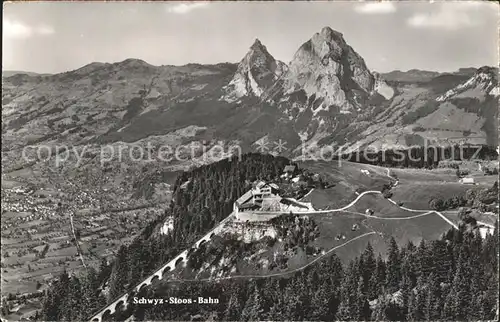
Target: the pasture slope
pixel 417 187
pixel 388 220
pixel 348 180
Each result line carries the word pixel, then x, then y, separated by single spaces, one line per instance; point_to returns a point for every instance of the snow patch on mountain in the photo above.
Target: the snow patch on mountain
pixel 382 88
pixel 236 88
pixel 255 89
pixel 484 81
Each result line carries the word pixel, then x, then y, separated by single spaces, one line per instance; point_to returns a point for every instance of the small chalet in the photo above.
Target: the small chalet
pixel 288 171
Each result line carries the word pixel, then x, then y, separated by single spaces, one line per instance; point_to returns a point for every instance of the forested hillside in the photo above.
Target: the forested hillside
pixel 454 278
pixel 202 197
pixel 433 280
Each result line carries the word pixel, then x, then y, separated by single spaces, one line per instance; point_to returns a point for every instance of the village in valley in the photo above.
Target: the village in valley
pixel 338 167
pixel 48 228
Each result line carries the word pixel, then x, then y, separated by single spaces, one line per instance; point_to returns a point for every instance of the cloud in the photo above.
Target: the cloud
pixel 382 7
pixel 45 30
pixel 450 16
pixel 17 30
pixel 183 8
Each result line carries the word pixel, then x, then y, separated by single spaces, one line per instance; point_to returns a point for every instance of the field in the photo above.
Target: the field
pixel 416 191
pixel 349 174
pixel 380 206
pixel 428 227
pixel 417 195
pixel 332 225
pixel 424 175
pixel 347 178
pixel 330 198
pixel 411 227
pixel 355 248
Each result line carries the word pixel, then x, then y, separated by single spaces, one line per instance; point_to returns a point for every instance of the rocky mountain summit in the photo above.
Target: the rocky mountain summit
pixel 326 96
pixel 255 74
pixel 329 70
pixel 484 81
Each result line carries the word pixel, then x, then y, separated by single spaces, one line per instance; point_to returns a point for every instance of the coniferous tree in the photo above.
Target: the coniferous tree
pixel 433 303
pixel 362 307
pixel 368 270
pixel 459 297
pixel 393 267
pixel 253 309
pixel 119 275
pixel 234 307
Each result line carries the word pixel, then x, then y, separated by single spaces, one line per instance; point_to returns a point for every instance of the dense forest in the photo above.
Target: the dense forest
pixel 454 278
pixel 201 198
pixel 422 156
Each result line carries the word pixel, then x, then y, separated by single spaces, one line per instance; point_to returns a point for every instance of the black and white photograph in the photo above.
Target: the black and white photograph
pixel 250 161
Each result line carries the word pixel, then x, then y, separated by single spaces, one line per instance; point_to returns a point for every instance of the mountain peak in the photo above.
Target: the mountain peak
pixel 133 62
pixel 329 33
pixel 327 68
pixel 258 49
pixel 485 79
pixel 256 73
pixel 257 44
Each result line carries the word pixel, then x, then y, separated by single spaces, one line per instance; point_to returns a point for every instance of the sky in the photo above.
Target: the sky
pixel 52 37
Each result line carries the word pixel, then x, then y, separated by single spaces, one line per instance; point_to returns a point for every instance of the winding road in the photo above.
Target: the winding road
pixel 111 307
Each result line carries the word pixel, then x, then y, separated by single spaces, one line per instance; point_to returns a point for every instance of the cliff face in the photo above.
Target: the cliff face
pixel 328 68
pixel 256 73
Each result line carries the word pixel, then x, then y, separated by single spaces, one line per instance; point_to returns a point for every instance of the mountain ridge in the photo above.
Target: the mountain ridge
pixel 325 97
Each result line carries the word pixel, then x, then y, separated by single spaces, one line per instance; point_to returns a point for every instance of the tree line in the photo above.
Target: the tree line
pixel 454 278
pixel 482 199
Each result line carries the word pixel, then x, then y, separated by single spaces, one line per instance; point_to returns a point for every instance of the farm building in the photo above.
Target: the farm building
pixel 467 181
pixel 184 185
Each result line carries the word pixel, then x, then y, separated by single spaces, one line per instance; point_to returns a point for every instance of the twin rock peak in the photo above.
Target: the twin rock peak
pixel 325 66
